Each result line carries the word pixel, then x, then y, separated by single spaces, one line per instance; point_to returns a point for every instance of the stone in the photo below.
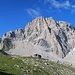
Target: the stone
pixel 17 66
pixel 37 56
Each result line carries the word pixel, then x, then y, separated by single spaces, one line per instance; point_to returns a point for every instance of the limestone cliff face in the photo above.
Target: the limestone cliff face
pixel 0 43
pixel 53 36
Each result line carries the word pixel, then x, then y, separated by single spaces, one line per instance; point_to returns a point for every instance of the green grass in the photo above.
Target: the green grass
pixel 32 66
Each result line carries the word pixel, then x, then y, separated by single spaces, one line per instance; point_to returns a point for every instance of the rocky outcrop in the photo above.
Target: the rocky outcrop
pixel 7 44
pixel 0 44
pixel 46 34
pixel 37 55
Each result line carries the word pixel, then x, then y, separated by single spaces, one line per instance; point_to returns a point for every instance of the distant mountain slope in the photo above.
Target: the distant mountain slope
pixel 44 36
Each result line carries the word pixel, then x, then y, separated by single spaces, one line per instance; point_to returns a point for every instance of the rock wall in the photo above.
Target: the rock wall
pixel 56 36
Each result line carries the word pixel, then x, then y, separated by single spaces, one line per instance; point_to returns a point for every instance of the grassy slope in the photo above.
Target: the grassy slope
pixel 32 66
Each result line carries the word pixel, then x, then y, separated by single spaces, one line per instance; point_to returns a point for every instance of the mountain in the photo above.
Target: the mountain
pixel 43 36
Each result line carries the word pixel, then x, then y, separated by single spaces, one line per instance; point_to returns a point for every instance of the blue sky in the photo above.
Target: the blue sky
pixel 16 14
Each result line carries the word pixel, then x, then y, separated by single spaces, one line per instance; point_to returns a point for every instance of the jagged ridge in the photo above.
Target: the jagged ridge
pixel 42 35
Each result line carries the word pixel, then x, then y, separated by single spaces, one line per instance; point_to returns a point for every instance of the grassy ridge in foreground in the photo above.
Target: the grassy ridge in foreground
pixel 32 66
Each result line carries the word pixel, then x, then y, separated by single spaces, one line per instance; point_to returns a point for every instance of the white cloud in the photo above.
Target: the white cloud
pixel 33 13
pixel 65 4
pixel 73 9
pixel 57 4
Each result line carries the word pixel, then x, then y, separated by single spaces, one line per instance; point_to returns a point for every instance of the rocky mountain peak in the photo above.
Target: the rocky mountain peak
pixel 43 35
pixel 50 19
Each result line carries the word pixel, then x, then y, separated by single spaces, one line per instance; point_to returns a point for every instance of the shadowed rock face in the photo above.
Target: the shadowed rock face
pixel 56 36
pixel 1 43
pixel 0 40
